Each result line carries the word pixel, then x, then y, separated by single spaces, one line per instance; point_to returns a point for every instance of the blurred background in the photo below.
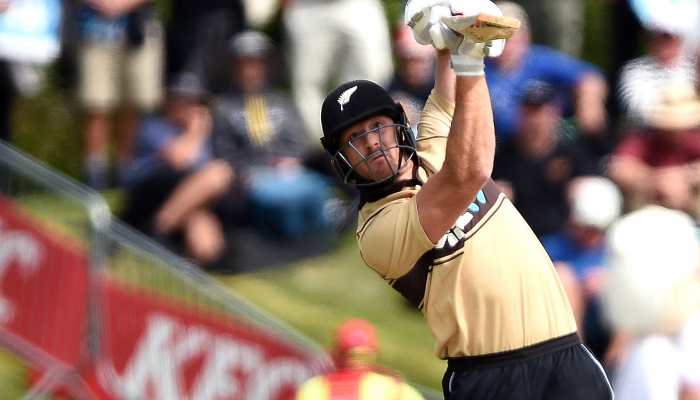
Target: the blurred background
pixel 197 124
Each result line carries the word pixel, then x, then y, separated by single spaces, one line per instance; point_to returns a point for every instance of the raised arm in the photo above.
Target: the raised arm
pixel 468 160
pixel 471 142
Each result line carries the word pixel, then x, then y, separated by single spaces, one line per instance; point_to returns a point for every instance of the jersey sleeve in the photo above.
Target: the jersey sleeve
pixel 433 128
pixel 393 239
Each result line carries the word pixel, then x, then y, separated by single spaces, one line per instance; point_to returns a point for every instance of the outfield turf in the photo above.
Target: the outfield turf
pixel 316 295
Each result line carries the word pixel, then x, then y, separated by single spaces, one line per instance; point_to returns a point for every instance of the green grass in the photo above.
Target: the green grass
pixel 315 296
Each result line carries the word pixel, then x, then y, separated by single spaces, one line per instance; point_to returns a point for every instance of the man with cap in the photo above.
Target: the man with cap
pixel 170 147
pixel 435 226
pixel 356 377
pixel 659 161
pixel 257 178
pixel 538 163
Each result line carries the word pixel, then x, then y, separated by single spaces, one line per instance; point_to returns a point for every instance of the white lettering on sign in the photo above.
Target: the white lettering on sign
pixel 231 369
pixel 26 251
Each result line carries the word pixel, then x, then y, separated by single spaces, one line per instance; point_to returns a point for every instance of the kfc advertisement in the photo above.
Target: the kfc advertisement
pixel 152 345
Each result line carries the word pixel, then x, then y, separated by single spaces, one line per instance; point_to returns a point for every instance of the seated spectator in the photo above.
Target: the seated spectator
pixel 580 86
pixel 355 350
pixel 257 177
pixel 536 165
pixel 643 79
pixel 170 146
pixel 413 79
pixel 653 295
pixel 578 252
pixel 660 161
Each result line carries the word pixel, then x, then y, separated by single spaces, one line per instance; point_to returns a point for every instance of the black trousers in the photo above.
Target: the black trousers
pixel 560 368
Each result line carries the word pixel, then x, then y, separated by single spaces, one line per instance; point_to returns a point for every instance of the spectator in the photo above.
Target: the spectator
pixel 538 163
pixel 197 35
pixel 653 294
pixel 356 376
pixel 642 79
pixel 169 147
pixel 578 252
pixel 658 163
pixel 581 86
pixel 350 41
pixel 413 79
pixel 120 66
pixel 257 176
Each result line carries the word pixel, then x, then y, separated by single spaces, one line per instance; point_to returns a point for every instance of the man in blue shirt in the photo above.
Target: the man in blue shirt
pixel 581 85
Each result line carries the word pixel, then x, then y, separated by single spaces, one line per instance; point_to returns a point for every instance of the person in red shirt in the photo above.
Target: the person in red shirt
pixel 660 163
pixel 356 376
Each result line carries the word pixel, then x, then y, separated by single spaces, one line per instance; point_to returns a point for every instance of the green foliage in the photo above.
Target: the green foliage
pixel 597 30
pixel 46 126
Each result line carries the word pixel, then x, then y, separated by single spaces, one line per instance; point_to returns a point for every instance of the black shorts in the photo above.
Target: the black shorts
pixel 561 368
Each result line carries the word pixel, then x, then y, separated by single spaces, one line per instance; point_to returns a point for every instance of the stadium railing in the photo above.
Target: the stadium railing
pixel 97 310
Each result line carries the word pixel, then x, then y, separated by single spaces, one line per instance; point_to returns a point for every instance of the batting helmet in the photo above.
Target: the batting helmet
pixel 351 103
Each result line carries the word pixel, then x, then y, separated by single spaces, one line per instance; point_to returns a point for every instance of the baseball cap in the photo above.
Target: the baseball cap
pixel 356 335
pixel 537 93
pixel 653 254
pixel 250 43
pixel 595 201
pixel 349 104
pixel 187 85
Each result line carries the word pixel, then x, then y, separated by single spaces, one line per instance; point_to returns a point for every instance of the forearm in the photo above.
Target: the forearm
pixel 590 95
pixel 471 142
pixel 445 78
pixel 633 177
pixel 591 90
pixel 194 192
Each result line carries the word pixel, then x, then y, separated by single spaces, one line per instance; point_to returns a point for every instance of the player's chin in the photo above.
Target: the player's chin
pixel 381 171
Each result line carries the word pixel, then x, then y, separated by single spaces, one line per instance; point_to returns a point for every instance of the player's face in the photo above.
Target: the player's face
pixel 371 147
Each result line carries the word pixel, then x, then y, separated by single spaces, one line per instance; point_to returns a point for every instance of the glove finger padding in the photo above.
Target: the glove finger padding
pixel 417 15
pixel 441 35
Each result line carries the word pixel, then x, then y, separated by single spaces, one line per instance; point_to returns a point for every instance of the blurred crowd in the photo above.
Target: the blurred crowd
pixel 207 124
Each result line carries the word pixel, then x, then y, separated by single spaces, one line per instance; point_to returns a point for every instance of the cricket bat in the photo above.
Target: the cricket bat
pixel 484 28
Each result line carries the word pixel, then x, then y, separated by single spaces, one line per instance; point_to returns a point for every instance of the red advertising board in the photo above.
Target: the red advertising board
pixel 152 346
pixel 164 349
pixel 43 286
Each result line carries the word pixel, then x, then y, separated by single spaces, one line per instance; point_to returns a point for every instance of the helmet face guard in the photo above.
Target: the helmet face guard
pixel 403 140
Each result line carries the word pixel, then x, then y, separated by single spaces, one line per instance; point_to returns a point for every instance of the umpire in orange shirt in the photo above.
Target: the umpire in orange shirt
pixel 356 378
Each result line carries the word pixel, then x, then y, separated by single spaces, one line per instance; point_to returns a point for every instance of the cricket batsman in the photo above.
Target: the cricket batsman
pixel 435 226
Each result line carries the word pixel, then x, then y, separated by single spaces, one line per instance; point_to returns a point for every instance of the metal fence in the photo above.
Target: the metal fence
pixel 70 329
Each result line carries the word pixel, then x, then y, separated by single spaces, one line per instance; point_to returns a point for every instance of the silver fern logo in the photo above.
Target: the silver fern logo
pixel 345 97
